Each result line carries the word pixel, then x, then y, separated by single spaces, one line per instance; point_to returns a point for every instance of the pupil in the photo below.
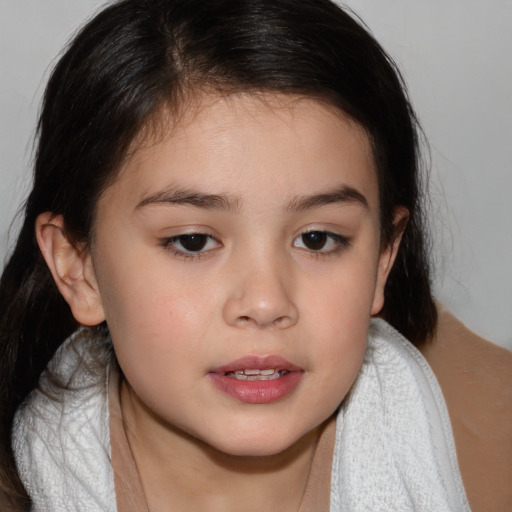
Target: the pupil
pixel 314 240
pixel 193 242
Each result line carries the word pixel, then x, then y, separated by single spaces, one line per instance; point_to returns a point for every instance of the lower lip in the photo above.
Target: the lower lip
pixel 257 391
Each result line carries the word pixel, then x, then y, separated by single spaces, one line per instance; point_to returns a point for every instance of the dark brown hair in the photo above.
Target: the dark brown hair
pixel 138 55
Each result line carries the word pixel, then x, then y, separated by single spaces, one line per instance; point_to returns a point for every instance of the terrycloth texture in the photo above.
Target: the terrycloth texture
pixel 62 445
pixel 394 446
pixel 394 449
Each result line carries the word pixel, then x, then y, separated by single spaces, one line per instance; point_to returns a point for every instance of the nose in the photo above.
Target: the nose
pixel 261 296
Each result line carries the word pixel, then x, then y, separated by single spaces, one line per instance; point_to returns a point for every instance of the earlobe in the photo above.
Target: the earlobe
pixel 387 258
pixel 71 269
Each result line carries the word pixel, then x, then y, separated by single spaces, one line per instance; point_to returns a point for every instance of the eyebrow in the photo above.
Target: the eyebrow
pixel 176 196
pixel 343 194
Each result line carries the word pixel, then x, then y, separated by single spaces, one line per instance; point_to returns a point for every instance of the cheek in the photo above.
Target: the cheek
pixel 339 358
pixel 155 337
pixel 341 315
pixel 152 316
pixel 344 296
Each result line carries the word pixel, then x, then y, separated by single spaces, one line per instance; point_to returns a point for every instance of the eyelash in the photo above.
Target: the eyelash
pixel 170 245
pixel 341 243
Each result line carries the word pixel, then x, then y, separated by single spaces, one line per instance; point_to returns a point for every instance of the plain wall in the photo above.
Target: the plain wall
pixel 455 58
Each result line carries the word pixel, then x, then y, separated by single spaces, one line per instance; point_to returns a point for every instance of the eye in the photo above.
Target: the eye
pixel 191 243
pixel 321 241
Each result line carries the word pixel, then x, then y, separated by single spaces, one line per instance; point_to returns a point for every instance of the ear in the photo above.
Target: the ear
pixel 71 268
pixel 387 257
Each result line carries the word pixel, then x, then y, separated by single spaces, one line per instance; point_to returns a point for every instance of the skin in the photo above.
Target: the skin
pixel 258 287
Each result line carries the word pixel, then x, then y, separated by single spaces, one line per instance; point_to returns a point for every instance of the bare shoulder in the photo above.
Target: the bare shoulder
pixel 476 379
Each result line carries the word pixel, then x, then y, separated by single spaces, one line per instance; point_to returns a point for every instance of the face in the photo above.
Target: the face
pixel 238 262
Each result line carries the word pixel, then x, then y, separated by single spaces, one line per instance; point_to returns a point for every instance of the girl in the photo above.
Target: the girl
pixel 224 226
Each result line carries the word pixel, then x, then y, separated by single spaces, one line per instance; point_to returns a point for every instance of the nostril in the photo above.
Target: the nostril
pixel 282 321
pixel 244 321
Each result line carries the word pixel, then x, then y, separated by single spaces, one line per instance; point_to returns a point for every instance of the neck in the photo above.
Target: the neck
pixel 180 472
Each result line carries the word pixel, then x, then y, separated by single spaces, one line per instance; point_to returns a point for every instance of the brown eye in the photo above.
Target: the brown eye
pixel 322 242
pixel 192 243
pixel 314 240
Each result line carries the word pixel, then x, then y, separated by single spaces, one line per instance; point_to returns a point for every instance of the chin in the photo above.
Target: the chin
pixel 264 442
pixel 262 449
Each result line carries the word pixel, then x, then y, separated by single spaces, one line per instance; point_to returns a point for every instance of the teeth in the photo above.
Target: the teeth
pixel 256 374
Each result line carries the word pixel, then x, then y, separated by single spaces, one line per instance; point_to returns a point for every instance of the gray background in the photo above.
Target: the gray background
pixel 455 57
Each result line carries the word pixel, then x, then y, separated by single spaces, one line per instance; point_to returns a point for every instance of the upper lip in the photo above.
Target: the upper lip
pixel 253 362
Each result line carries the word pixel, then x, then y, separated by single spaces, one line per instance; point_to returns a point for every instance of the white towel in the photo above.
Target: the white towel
pixel 62 445
pixel 394 448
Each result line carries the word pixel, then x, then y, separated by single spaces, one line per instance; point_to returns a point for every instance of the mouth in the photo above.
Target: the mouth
pixel 257 380
pixel 256 374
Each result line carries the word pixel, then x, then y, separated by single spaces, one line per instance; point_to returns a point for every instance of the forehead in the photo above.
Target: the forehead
pixel 245 144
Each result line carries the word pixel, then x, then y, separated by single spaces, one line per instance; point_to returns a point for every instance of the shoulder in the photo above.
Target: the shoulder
pixel 61 438
pixel 476 380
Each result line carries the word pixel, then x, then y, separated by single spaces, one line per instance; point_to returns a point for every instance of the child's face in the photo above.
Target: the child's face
pixel 247 238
